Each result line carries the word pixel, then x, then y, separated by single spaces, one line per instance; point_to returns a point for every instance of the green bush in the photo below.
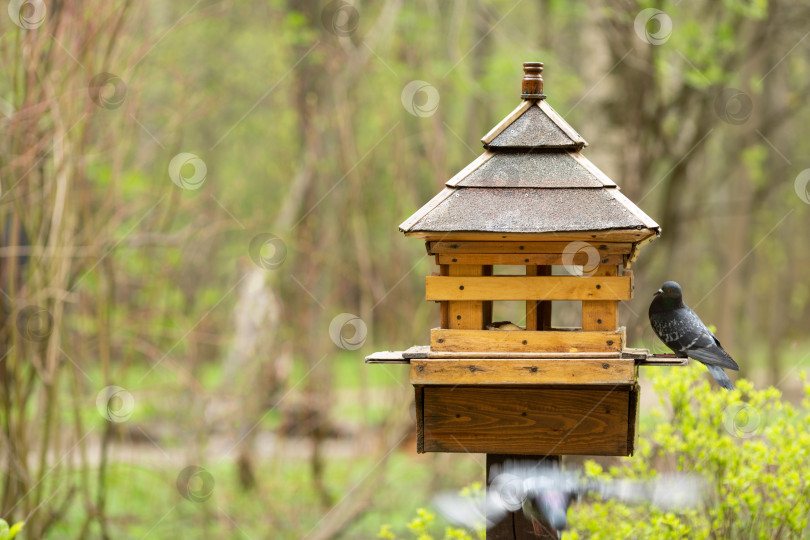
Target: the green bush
pixel 6 532
pixel 421 527
pixel 752 449
pixel 749 445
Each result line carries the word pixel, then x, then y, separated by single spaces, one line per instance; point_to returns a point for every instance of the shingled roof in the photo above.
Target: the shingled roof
pixel 531 179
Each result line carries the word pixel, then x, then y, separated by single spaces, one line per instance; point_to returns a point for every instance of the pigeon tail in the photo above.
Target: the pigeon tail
pixel 720 376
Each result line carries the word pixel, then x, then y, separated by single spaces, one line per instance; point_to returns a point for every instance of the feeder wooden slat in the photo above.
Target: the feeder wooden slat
pixel 524 259
pixel 528 288
pixel 387 357
pixel 444 355
pixel 419 411
pixel 555 248
pixel 529 421
pixel 613 235
pixel 491 371
pixel 525 341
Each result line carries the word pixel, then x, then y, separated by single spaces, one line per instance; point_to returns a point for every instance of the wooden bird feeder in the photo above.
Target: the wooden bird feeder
pixel 531 200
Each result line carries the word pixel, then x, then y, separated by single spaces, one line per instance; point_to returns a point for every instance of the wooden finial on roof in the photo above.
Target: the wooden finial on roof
pixel 532 80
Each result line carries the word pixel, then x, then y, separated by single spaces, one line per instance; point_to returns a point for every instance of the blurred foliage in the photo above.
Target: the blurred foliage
pixel 421 525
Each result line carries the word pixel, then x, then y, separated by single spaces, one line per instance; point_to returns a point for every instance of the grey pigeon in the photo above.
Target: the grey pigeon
pixel 544 493
pixel 682 331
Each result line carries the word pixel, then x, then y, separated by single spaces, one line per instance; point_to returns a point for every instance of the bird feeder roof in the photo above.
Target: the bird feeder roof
pixel 531 180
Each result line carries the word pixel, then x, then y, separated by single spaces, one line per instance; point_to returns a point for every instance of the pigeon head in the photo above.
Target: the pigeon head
pixel 550 507
pixel 670 290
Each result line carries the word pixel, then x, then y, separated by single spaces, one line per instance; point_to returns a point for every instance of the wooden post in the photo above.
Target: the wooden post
pixel 538 313
pixel 516 526
pixel 468 315
pixel 601 314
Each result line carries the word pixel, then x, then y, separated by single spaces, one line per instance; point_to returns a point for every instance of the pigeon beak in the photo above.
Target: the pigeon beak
pixel 659 292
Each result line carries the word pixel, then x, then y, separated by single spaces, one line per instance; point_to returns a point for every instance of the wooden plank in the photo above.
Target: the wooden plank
pixel 444 314
pixel 487 304
pixel 611 235
pixel 467 314
pixel 491 371
pixel 527 288
pixel 518 259
pixel 642 357
pixel 633 418
pixel 386 357
pixel 601 314
pixel 503 124
pixel 546 341
pixel 663 360
pixel 604 248
pixel 417 351
pixel 538 313
pixel 441 355
pixel 526 420
pixel 532 311
pixel 424 351
pixel 419 412
pixel 637 249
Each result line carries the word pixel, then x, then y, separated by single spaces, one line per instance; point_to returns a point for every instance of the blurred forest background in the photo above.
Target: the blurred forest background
pixel 192 192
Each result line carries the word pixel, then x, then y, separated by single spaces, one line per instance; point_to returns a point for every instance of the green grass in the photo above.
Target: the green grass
pixel 144 502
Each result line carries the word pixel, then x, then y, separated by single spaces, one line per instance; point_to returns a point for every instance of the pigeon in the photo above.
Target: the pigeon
pixel 545 493
pixel 682 331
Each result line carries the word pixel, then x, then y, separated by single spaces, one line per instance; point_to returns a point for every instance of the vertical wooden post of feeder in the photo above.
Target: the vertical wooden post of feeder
pixel 527 389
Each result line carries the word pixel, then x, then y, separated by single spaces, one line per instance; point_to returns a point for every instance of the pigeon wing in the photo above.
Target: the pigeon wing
pixel 703 345
pixel 470 512
pixel 683 332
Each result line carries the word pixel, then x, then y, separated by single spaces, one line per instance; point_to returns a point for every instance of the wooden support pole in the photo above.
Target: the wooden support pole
pixel 538 313
pixel 468 315
pixel 601 314
pixel 516 526
pixel 444 316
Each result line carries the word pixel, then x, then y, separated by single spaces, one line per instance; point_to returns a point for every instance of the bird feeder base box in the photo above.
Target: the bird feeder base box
pixel 520 403
pixel 528 406
pixel 527 420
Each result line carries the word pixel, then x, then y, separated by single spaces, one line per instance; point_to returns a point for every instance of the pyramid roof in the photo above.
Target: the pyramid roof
pixel 531 181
